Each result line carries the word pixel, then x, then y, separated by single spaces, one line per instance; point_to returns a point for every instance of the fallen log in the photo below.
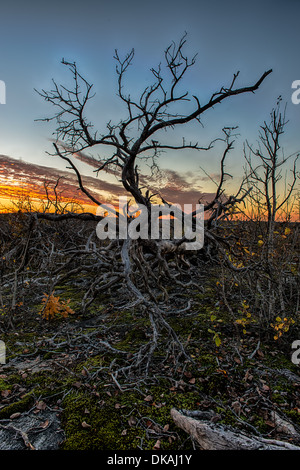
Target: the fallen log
pixel 214 436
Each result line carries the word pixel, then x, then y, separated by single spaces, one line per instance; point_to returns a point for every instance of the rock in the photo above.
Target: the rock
pixel 28 431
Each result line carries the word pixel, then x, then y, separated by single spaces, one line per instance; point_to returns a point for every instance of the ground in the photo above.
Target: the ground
pixel 61 388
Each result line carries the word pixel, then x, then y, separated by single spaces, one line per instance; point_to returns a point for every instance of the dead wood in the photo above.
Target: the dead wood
pixel 214 436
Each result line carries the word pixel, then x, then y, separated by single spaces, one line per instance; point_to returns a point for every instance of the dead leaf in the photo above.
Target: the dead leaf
pixel 156 445
pixel 85 425
pixel 77 384
pixel 41 405
pixel 45 424
pixel 132 421
pixel 270 423
pixel 237 407
pixel 248 376
pixel 15 415
pixel 188 374
pixel 148 398
pixel 5 393
pixel 189 338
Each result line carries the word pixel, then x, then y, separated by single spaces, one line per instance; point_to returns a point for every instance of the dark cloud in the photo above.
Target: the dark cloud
pixel 180 188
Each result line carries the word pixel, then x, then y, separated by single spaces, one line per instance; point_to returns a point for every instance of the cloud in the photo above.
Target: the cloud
pixel 180 187
pixel 18 177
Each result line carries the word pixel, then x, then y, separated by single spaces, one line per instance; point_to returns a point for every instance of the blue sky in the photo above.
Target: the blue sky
pixel 227 35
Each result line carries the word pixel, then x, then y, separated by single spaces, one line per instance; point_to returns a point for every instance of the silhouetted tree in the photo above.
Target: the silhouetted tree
pixel 159 107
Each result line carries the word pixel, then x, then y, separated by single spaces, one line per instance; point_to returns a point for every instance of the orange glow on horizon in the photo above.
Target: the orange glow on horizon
pixel 14 197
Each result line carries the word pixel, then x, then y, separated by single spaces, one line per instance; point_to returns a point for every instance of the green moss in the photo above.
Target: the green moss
pixel 294 416
pixel 227 417
pixel 3 385
pixel 278 398
pixel 106 426
pixel 7 383
pixel 136 336
pixel 260 424
pixel 279 360
pixel 107 419
pixel 19 406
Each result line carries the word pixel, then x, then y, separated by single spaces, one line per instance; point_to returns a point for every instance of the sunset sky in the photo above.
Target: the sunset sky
pixel 228 36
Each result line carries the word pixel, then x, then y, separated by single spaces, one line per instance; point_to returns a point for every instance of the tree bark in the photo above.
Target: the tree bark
pixel 212 436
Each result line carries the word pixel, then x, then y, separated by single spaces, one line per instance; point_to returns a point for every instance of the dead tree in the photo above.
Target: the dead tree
pixel 159 107
pixel 263 171
pixel 210 435
pixel 134 137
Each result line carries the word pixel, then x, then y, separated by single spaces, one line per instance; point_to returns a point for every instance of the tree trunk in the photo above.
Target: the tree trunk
pixel 212 436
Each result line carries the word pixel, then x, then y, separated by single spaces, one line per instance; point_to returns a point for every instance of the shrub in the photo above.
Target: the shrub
pixel 54 307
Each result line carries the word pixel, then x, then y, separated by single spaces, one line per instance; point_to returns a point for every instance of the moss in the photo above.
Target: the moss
pixel 7 383
pixel 294 416
pixel 135 336
pixel 260 424
pixel 107 419
pixel 279 360
pixel 94 362
pixel 3 385
pixel 106 426
pixel 227 417
pixel 19 406
pixel 278 398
